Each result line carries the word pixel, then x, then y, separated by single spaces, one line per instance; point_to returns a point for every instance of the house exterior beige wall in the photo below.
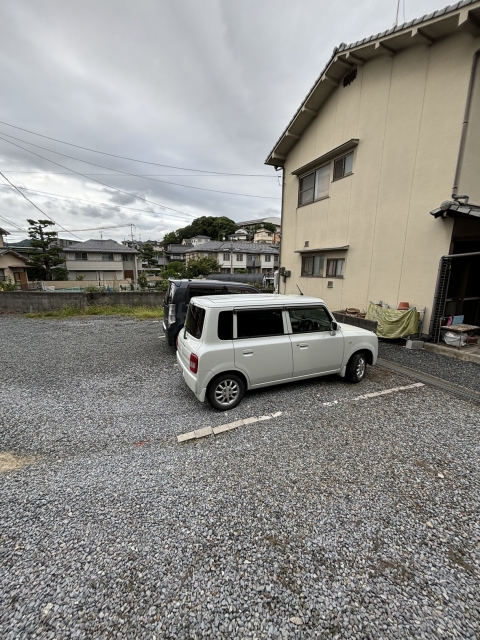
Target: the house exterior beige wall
pixel 407 112
pixel 9 260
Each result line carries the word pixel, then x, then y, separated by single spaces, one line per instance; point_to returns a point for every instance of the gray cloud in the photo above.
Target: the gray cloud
pixel 207 85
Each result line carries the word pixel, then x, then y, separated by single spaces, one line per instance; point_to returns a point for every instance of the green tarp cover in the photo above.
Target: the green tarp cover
pixel 393 323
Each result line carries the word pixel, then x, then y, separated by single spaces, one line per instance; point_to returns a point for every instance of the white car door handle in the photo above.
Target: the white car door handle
pixel 247 352
pixel 302 345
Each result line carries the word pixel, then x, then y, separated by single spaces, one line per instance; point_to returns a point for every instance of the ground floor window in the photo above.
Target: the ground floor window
pixel 312 265
pixel 335 268
pixel 2 274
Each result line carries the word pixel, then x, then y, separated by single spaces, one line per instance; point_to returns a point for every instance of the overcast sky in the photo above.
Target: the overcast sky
pixel 194 84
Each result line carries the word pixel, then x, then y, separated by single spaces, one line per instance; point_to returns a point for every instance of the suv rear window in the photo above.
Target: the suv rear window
pixel 194 320
pixel 255 323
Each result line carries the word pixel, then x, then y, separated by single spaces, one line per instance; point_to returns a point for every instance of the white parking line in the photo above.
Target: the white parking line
pixel 375 394
pixel 229 426
pixel 208 431
pixel 387 391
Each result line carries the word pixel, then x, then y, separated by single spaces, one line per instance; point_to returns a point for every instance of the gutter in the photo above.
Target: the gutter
pixel 463 137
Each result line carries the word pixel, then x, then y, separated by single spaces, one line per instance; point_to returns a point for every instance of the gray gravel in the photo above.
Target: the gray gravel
pixel 465 374
pixel 328 522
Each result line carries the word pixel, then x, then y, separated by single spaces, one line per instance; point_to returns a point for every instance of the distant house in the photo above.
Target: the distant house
pixel 12 264
pixel 196 240
pixel 240 235
pixel 235 256
pixel 252 225
pixel 102 260
pixel 264 236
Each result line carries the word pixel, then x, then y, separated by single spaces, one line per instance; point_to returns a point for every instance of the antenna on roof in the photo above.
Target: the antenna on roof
pixel 396 17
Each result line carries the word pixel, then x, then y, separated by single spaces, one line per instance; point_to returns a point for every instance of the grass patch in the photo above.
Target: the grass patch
pixel 140 313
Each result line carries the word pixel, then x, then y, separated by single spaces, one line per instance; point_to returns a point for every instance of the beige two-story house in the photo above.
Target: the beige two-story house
pixel 381 172
pixel 102 260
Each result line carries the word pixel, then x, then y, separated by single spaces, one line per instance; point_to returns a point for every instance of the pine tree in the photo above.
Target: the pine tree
pixel 47 252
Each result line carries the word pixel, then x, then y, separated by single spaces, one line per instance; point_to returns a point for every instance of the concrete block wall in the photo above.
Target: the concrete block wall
pixel 37 301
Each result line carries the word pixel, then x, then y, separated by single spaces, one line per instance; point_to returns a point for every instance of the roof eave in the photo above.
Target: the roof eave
pixel 425 30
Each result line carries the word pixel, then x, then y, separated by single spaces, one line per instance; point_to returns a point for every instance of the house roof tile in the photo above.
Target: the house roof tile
pixel 277 156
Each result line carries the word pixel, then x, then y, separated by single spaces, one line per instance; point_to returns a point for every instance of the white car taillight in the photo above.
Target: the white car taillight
pixel 193 362
pixel 171 314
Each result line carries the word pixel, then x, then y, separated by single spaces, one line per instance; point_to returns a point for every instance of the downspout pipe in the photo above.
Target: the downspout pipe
pixel 466 117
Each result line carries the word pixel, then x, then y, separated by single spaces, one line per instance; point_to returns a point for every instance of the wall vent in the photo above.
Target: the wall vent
pixel 350 77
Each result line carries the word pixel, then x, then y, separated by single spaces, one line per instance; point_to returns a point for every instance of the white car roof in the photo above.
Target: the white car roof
pixel 254 300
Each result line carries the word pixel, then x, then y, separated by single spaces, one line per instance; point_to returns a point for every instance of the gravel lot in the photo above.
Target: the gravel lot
pixel 354 520
pixel 465 374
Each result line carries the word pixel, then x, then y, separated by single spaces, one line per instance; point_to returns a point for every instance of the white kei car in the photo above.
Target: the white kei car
pixel 233 343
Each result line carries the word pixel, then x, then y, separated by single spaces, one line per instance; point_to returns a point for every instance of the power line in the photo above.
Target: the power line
pixel 12 223
pixel 133 195
pixel 141 175
pixel 136 175
pixel 38 208
pixel 112 155
pixel 104 205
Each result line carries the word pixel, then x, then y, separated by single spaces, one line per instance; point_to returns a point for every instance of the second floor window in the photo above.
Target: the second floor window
pixel 226 256
pixel 239 257
pixel 81 256
pixel 107 257
pixel 314 186
pixel 268 258
pixel 127 257
pixel 343 166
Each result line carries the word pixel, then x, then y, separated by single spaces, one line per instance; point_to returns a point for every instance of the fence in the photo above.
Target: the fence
pixel 36 301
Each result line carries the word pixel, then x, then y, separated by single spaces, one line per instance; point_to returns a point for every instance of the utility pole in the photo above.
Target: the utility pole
pixel 231 256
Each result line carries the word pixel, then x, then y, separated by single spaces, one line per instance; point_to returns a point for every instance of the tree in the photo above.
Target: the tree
pixel 142 281
pixel 174 270
pixel 202 267
pixel 47 254
pixel 214 227
pixel 60 273
pixel 270 227
pixel 149 255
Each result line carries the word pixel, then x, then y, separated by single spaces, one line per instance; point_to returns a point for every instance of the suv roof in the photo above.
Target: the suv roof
pixel 213 283
pixel 249 300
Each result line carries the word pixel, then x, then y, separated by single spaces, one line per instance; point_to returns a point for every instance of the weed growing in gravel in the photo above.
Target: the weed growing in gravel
pixel 140 313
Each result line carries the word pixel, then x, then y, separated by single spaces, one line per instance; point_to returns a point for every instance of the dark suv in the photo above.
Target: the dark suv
pixel 179 294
